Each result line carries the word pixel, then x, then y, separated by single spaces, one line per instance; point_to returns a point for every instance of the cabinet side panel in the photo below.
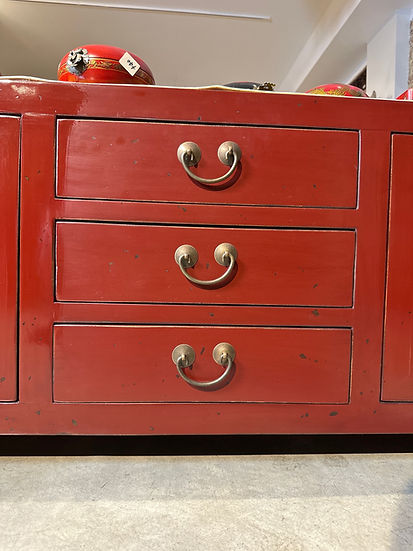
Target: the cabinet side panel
pixel 397 383
pixel 9 179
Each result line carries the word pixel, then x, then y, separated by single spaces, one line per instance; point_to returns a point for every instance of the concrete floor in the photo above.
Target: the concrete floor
pixel 287 503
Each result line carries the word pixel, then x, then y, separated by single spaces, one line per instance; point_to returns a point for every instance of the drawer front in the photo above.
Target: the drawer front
pixel 102 262
pixel 105 363
pixel 138 161
pixel 397 384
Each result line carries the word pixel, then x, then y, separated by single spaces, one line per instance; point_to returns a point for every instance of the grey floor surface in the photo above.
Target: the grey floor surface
pixel 294 503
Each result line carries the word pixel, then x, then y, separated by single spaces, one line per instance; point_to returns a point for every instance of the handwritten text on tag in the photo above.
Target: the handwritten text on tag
pixel 128 63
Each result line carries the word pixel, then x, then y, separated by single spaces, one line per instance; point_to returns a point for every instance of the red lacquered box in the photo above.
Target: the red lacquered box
pixel 104 64
pixel 408 94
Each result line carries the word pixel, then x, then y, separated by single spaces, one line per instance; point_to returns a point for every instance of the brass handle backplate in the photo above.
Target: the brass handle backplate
pixel 186 256
pixel 183 356
pixel 189 154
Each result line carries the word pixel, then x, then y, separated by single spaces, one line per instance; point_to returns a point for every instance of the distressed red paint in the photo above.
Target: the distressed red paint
pixel 95 339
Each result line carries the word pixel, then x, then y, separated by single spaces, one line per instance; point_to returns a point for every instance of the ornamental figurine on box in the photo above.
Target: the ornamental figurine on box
pixel 104 64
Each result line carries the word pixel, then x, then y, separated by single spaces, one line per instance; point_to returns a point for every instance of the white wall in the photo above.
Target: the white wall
pixel 181 49
pixel 337 49
pixel 388 57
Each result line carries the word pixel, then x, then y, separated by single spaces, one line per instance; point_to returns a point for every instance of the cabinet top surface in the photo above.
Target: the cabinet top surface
pixel 203 105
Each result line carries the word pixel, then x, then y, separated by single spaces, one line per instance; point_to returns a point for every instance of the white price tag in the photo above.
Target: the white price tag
pixel 128 63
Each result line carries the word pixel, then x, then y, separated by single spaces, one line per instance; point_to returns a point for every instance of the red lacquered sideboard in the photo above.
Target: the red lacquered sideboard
pixel 138 298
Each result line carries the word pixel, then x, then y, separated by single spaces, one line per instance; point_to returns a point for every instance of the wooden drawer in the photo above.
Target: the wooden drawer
pixel 106 262
pixel 109 363
pixel 137 161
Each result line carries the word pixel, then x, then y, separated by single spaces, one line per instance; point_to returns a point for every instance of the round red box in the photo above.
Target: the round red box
pixel 100 63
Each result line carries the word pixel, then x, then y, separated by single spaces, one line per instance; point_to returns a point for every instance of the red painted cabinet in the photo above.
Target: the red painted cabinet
pixel 9 185
pixel 274 300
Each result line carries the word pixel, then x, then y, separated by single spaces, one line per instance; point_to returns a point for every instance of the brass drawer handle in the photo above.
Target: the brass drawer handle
pixel 183 356
pixel 189 154
pixel 186 256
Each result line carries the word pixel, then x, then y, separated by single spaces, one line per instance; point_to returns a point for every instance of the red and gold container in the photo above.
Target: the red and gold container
pixel 337 89
pixel 105 64
pixel 408 94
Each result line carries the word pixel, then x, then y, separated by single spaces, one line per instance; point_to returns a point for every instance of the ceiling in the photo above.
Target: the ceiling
pixel 198 42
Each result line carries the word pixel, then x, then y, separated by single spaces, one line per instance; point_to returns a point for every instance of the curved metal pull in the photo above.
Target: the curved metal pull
pixel 225 254
pixel 183 356
pixel 189 154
